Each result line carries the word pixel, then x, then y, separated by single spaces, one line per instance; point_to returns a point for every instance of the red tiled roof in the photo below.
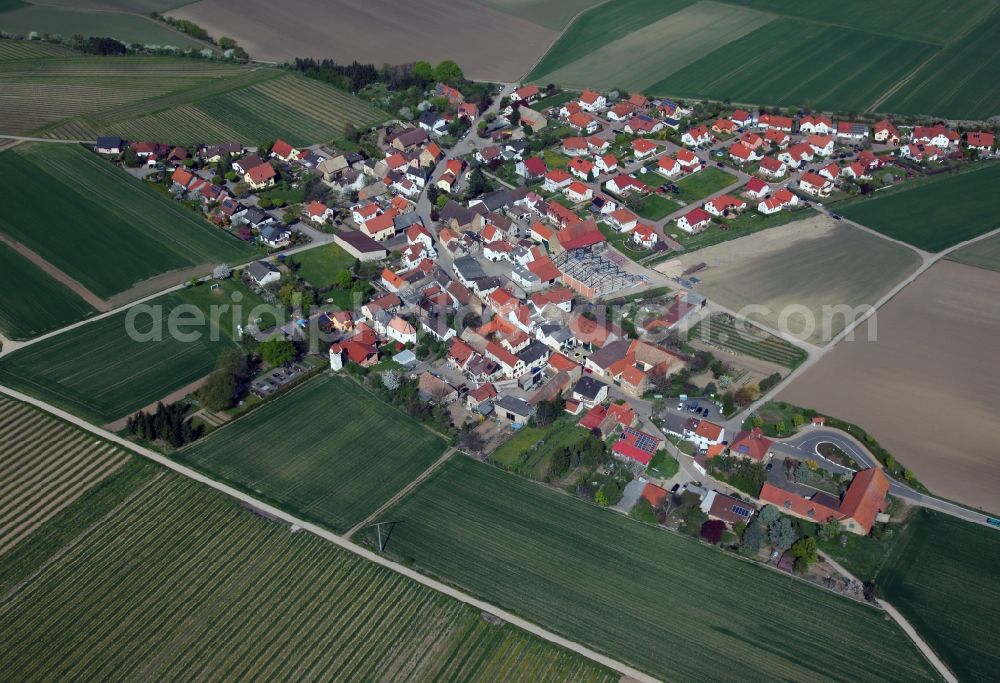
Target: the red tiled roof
pixel 752 444
pixel 654 494
pixel 865 497
pixel 796 504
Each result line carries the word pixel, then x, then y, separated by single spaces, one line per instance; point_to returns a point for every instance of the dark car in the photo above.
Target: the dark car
pixel 720 164
pixel 769 466
pixel 835 216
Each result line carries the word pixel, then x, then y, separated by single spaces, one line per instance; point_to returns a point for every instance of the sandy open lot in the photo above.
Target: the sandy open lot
pixel 804 278
pixel 928 387
pixel 486 43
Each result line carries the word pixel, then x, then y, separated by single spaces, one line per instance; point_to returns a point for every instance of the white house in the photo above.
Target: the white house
pixel 705 434
pixel 771 167
pixel 401 331
pixel 645 236
pixel 592 101
pixel 694 220
pixel 698 136
pixel 263 273
pixel 776 202
pixel 578 192
pixel 668 167
pixel 820 144
pixel 724 203
pixel 815 184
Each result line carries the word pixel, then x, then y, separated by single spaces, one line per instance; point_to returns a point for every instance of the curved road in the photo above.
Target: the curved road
pixel 806 443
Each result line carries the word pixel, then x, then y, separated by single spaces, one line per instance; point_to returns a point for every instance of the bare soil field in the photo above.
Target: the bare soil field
pixel 927 388
pixel 805 279
pixel 486 43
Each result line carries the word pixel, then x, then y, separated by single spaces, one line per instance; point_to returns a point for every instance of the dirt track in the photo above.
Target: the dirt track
pixel 487 44
pixel 927 387
pixel 56 274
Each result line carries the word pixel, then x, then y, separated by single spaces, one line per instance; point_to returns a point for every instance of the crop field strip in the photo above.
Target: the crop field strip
pixel 19 49
pixel 663 603
pixel 901 56
pixel 933 213
pixel 941 575
pixel 185 584
pixel 34 303
pixel 344 452
pixel 97 371
pixel 47 465
pixel 37 93
pixel 722 331
pixel 99 207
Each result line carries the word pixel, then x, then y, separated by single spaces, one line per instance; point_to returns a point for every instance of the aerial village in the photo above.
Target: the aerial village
pixel 501 255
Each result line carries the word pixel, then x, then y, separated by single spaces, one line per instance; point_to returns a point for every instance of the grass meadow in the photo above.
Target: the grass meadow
pixel 666 604
pixel 699 185
pixel 320 266
pixel 942 576
pixel 935 213
pixel 99 372
pixel 34 303
pixel 67 21
pixel 329 451
pixel 97 224
pixel 182 583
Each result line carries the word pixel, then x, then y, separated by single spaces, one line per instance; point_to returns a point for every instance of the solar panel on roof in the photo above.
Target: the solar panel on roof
pixel 741 511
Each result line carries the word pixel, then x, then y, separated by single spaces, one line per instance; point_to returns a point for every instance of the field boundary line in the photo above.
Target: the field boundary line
pixel 913 635
pixel 364 553
pixel 569 25
pixel 56 274
pixel 370 519
pixel 79 538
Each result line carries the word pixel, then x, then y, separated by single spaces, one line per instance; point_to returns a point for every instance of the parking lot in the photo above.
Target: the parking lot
pixel 274 379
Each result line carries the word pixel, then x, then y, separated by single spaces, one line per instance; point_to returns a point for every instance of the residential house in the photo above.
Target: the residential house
pixel 815 185
pixel 592 101
pixel 645 236
pixel 623 220
pixel 781 199
pixel 275 237
pixel 886 133
pixel 263 273
pixel 590 392
pixel 856 512
pixel 636 446
pixel 727 509
pixel 741 118
pixel 698 136
pixel 514 409
pixel 642 148
pixel 756 189
pixel 816 125
pixel 318 212
pixel 642 124
pixel 582 168
pixel 853 132
pixel 724 204
pixel 577 192
pixel 980 141
pixel 381 227
pixel 768 121
pixel 109 145
pixel 723 127
pixel 531 169
pixel 284 151
pixel 771 167
pixel 751 444
pixel 623 184
pixel 821 145
pixel 938 135
pixel 689 161
pixel 556 180
pixel 668 167
pixel 607 163
pixel 741 154
pixel 705 434
pixel 261 176
pixel 694 221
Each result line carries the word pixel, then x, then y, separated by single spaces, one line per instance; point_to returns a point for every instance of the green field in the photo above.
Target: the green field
pixel 183 583
pixel 605 23
pixel 935 213
pixel 666 604
pixel 320 266
pixel 942 576
pixel 705 182
pixel 101 373
pixel 180 101
pixel 960 81
pixel 69 21
pixel 97 224
pixel 982 254
pixel 721 330
pixel 934 58
pixel 34 303
pixel 747 223
pixel 799 63
pixel 329 451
